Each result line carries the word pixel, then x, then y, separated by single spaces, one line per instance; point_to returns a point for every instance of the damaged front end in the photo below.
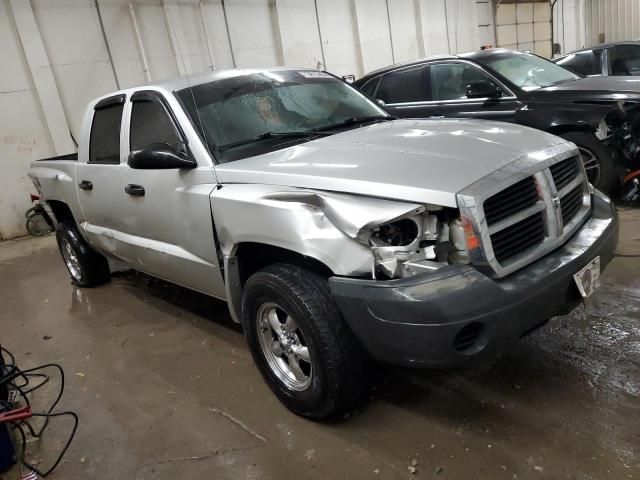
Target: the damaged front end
pixel 405 239
pixel 415 244
pixel 620 130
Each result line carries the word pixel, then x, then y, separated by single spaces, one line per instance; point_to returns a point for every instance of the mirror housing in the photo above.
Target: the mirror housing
pixel 159 156
pixel 380 102
pixel 483 89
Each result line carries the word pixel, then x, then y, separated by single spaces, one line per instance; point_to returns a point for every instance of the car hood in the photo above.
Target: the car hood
pixel 595 88
pixel 425 161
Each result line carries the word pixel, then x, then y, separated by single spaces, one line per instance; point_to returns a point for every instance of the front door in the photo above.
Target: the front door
pixel 166 211
pixel 445 94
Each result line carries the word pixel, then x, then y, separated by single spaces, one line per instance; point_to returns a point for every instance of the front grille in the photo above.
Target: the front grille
pixel 564 172
pixel 511 200
pixel 518 237
pixel 571 203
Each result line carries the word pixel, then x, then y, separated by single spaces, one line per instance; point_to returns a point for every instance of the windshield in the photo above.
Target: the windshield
pixel 527 71
pixel 251 114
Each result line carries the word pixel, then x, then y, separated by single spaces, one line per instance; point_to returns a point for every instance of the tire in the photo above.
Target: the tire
pixel 334 380
pixel 86 266
pixel 603 171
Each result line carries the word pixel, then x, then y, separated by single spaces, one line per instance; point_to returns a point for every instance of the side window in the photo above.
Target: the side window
pixel 370 87
pixel 582 63
pixel 409 85
pixel 449 81
pixel 104 139
pixel 150 123
pixel 624 60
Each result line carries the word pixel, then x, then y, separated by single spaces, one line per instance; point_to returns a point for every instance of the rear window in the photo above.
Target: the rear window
pixel 104 142
pixel 405 86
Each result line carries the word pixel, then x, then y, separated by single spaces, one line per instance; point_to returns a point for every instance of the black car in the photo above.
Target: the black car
pixel 619 58
pixel 600 115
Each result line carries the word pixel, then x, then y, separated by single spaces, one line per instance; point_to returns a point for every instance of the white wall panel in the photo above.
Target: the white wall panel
pixel 299 33
pixel 339 44
pixel 403 30
pixel 254 33
pixel 23 132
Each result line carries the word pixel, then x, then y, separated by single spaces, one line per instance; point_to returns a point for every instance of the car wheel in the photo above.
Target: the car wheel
pixel 86 266
pixel 302 347
pixel 602 169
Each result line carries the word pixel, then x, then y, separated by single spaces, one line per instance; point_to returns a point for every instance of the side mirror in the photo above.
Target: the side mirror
pixel 158 156
pixel 483 89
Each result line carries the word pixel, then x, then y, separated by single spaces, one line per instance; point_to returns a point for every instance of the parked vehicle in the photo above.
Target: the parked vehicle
pixel 38 222
pixel 334 232
pixel 615 59
pixel 600 115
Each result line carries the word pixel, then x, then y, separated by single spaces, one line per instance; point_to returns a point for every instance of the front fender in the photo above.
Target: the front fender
pixel 321 225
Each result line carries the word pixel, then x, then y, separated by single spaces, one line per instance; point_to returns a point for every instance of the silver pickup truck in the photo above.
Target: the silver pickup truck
pixel 335 232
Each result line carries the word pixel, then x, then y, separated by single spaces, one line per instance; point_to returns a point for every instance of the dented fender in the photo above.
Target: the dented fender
pixel 329 227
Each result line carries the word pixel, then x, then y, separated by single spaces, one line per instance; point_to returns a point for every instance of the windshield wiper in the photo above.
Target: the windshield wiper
pixel 269 135
pixel 356 120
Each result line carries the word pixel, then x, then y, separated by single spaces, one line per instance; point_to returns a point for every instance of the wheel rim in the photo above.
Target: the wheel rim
pixel 591 165
pixel 71 259
pixel 284 347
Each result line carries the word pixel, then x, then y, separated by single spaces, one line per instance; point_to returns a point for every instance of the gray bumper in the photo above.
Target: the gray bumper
pixel 419 321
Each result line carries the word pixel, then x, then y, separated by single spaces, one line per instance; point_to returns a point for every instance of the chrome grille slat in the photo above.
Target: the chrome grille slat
pixel 519 237
pixel 571 204
pixel 510 200
pixel 565 171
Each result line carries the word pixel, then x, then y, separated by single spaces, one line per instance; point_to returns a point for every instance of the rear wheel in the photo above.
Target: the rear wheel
pixel 302 347
pixel 602 169
pixel 86 266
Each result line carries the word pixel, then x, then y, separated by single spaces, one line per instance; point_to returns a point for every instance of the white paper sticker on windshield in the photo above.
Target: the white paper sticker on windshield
pixel 309 74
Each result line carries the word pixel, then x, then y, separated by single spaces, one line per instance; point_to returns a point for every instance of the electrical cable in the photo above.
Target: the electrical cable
pixel 9 373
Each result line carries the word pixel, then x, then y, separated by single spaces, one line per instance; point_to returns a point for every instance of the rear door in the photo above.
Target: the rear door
pixel 98 174
pixel 167 222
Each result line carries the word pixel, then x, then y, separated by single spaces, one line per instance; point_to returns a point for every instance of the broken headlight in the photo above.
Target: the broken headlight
pixel 418 243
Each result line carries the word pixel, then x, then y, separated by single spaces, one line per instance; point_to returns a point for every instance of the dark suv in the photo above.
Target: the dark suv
pixel 616 59
pixel 600 115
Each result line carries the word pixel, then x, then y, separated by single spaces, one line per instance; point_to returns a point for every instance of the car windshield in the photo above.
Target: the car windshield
pixel 251 114
pixel 527 71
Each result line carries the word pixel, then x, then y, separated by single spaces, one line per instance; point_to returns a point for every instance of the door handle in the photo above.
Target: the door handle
pixel 134 190
pixel 86 185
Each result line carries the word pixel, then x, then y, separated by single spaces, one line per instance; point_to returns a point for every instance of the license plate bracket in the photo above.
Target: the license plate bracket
pixel 588 278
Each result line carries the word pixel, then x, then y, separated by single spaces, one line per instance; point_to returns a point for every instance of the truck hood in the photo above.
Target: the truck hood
pixel 425 161
pixel 593 89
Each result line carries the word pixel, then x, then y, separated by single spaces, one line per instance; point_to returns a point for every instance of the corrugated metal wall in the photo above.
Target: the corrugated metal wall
pixel 612 20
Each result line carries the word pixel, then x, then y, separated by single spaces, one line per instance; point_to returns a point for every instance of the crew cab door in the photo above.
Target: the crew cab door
pixel 166 212
pixel 98 174
pixel 443 87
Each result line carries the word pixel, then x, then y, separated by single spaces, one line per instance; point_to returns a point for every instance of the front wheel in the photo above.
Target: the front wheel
pixel 302 347
pixel 601 167
pixel 86 266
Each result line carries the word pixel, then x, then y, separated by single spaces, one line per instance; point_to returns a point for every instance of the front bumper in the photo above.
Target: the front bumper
pixel 419 321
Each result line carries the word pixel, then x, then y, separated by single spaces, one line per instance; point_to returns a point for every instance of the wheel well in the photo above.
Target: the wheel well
pixel 61 211
pixel 256 256
pixel 560 129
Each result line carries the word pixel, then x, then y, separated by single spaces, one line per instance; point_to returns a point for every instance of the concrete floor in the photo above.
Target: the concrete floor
pixel 165 388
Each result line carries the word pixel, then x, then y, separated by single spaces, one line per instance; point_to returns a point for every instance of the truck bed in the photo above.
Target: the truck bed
pixel 68 156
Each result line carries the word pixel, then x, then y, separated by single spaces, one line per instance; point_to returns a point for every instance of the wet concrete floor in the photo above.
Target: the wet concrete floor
pixel 165 388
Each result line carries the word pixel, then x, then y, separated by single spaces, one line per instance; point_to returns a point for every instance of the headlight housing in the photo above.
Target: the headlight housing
pixel 418 243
